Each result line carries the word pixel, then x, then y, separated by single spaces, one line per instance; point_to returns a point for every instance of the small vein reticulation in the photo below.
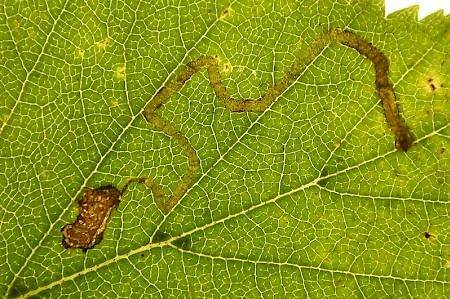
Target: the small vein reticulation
pixel 403 138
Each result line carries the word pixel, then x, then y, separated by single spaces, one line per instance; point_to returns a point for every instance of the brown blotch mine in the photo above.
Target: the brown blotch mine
pixel 95 208
pixel 403 138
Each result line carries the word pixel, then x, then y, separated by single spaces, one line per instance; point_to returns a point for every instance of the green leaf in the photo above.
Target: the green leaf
pixel 308 198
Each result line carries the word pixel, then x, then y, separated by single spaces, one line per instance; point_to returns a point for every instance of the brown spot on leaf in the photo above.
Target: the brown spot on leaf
pixel 95 207
pixel 432 84
pixel 429 236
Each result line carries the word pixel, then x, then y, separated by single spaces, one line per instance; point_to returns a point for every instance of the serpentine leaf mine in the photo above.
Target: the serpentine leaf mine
pixel 403 138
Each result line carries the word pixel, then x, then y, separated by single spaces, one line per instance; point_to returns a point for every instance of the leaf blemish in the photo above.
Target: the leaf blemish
pixel 429 236
pixel 227 13
pixel 432 83
pixel 120 72
pixel 80 52
pixel 102 44
pixel 227 67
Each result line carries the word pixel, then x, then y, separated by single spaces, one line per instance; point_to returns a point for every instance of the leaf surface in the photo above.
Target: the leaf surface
pixel 308 198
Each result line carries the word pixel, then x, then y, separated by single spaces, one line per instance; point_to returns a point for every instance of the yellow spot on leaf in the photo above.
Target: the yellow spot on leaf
pixel 227 67
pixel 431 82
pixel 80 52
pixel 103 43
pixel 227 13
pixel 114 103
pixel 120 72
